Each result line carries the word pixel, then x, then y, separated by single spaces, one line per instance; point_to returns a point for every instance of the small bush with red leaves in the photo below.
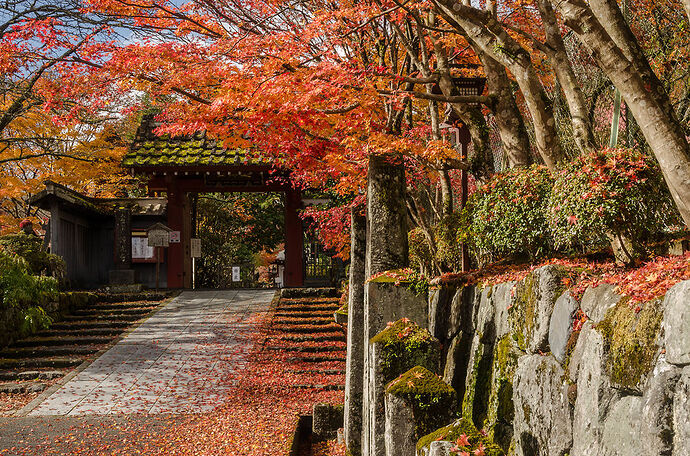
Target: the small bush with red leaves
pixel 611 192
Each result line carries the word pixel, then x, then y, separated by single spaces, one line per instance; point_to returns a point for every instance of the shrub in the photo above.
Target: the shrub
pixel 30 248
pixel 614 193
pixel 19 288
pixel 508 214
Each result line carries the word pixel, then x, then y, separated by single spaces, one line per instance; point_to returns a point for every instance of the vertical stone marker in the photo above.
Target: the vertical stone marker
pixel 398 348
pixel 417 403
pixel 386 249
pixel 354 373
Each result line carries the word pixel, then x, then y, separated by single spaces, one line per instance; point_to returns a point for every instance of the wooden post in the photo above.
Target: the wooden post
pixel 158 267
pixel 294 240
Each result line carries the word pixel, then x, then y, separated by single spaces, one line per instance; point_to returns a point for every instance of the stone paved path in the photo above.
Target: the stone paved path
pixel 171 363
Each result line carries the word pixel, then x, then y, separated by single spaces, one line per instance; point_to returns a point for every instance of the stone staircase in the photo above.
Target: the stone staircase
pixel 303 328
pixel 32 364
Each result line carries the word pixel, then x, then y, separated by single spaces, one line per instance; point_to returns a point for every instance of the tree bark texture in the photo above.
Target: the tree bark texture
pixel 582 129
pixel 643 92
pixel 491 38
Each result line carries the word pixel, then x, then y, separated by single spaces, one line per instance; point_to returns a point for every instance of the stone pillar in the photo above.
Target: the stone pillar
pixel 381 370
pixel 354 374
pixel 386 249
pixel 123 274
pixel 417 403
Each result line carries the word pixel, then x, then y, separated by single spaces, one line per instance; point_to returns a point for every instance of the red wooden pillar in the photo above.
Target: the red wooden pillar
pixel 175 261
pixel 294 240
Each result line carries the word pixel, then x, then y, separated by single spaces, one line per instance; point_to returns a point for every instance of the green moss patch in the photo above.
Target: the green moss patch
pixel 405 345
pixel 459 430
pixel 415 282
pixel 500 410
pixel 631 336
pixel 432 400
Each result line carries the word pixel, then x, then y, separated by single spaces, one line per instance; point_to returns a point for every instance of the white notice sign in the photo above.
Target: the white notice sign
pixel 195 248
pixel 141 249
pixel 174 237
pixel 235 273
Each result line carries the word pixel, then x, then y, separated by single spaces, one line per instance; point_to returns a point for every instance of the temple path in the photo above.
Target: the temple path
pixel 174 362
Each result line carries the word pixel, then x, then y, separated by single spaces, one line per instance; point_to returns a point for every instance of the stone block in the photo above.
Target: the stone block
pixel 656 430
pixel 543 420
pixel 595 395
pixel 440 302
pixel 677 323
pixel 440 441
pixel 417 402
pixel 681 415
pixel 561 325
pixel 121 277
pixel 327 419
pixel 596 301
pixel 622 428
pixel 384 302
pixel 530 316
pixel 400 347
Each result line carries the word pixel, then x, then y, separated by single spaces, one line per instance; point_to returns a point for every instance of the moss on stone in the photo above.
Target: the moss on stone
pixel 405 345
pixel 478 389
pixel 500 409
pixel 432 400
pixel 631 337
pixel 454 431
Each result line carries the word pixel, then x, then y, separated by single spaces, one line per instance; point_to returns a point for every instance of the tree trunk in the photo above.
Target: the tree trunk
pixel 582 129
pixel 643 93
pixel 511 125
pixel 489 36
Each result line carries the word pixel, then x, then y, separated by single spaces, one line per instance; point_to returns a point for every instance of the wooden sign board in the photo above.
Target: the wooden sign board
pixel 158 239
pixel 158 235
pixel 195 247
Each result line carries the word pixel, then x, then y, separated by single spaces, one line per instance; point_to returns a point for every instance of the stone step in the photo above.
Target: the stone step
pixel 317 371
pixel 309 338
pixel 307 349
pixel 304 321
pixel 126 305
pixel 13 375
pixel 82 332
pixel 61 341
pixel 321 387
pixel 132 297
pixel 104 317
pixel 46 352
pixel 307 330
pixel 33 363
pixel 87 324
pixel 25 387
pixel 317 359
pixel 296 308
pixel 308 293
pixel 320 313
pixel 99 312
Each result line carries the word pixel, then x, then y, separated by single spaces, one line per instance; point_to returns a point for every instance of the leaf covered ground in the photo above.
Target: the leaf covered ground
pixel 258 417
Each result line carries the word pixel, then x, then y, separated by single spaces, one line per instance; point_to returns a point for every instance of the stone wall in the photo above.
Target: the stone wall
pixel 537 385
